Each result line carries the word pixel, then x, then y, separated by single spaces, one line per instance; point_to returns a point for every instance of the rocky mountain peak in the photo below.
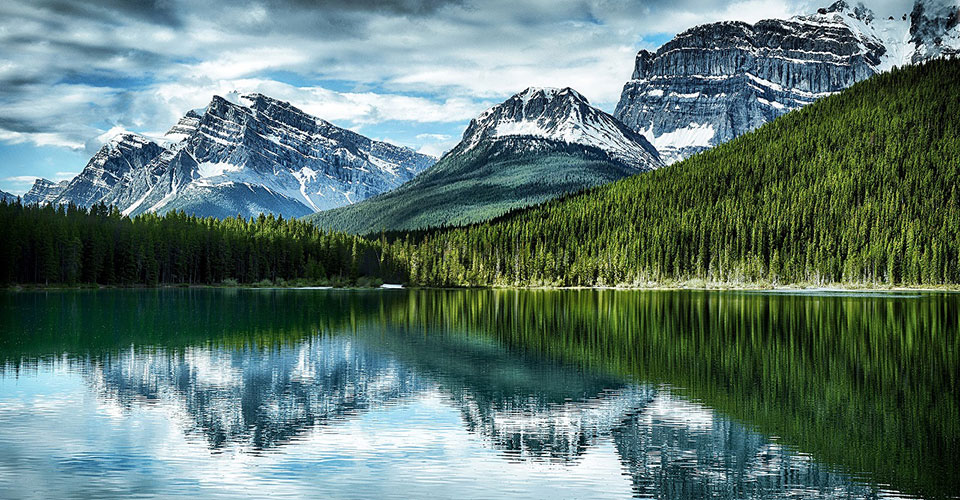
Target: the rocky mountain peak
pixel 44 191
pixel 716 81
pixel 127 140
pixel 551 94
pixel 562 115
pixel 246 154
pixel 860 12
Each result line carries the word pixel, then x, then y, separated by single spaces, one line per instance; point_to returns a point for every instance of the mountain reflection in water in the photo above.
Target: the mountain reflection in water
pixel 262 373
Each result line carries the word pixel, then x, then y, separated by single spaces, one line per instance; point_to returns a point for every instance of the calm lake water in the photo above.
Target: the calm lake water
pixel 479 394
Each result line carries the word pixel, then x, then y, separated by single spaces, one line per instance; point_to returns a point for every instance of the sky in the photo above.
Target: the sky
pixel 411 72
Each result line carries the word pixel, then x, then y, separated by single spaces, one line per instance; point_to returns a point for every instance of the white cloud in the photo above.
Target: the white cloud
pixel 436 144
pixel 63 176
pixel 22 179
pixel 67 76
pixel 433 137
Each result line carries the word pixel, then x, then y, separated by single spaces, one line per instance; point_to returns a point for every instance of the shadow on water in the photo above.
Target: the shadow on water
pixel 703 393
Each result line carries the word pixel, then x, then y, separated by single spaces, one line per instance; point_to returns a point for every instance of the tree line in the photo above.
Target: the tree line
pixel 99 245
pixel 859 187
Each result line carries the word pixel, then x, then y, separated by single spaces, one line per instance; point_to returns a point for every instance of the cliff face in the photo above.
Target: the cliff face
pixel 714 82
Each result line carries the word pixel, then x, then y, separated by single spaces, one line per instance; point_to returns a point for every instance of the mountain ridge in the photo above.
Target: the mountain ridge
pixel 244 155
pixel 713 82
pixel 536 145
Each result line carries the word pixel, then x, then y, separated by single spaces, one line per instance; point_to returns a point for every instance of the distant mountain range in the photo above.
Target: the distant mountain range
pixel 252 154
pixel 536 145
pixel 714 82
pixel 240 155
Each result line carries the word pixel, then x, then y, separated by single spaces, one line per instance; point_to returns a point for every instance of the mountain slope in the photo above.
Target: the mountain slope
pixel 122 156
pixel 241 155
pixel 714 82
pixel 537 145
pixel 863 186
pixel 44 191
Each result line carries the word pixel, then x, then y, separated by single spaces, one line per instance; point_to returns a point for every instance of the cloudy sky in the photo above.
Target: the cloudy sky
pixel 412 72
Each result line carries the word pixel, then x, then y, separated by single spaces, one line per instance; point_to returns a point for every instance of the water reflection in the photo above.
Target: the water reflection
pixel 677 449
pixel 257 397
pixel 561 380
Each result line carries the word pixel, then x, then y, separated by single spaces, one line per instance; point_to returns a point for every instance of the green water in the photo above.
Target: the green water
pixel 479 394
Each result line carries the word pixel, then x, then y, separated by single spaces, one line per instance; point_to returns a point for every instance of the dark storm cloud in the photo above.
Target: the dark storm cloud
pixel 152 11
pixel 406 7
pixel 21 125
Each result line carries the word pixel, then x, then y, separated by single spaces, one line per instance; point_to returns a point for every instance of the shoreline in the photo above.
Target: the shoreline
pixel 700 286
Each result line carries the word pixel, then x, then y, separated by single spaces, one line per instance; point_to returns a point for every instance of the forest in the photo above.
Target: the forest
pixel 859 187
pixel 71 245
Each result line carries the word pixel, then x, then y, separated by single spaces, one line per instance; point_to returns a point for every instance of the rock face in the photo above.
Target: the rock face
pixel 934 29
pixel 241 155
pixel 536 145
pixel 123 156
pixel 562 115
pixel 714 82
pixel 44 191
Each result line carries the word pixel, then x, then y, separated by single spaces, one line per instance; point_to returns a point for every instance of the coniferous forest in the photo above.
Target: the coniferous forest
pixel 859 187
pixel 70 245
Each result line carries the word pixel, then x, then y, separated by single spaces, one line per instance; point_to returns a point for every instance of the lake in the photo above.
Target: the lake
pixel 478 394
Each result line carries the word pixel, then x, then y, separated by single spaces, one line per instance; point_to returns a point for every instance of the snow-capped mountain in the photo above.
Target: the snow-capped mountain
pixel 714 82
pixel 7 196
pixel 241 155
pixel 44 191
pixel 123 156
pixel 536 145
pixel 562 115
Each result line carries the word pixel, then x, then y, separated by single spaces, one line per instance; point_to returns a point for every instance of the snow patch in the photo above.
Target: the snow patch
pixel 208 169
pixel 774 104
pixel 233 97
pixel 693 135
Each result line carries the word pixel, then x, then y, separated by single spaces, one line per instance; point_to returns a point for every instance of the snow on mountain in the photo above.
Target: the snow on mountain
pixel 562 115
pixel 122 156
pixel 714 82
pixel 535 146
pixel 242 155
pixel 44 191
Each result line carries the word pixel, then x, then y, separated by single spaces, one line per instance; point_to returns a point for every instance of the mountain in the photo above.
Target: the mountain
pixel 859 187
pixel 241 155
pixel 44 191
pixel 714 82
pixel 7 196
pixel 536 145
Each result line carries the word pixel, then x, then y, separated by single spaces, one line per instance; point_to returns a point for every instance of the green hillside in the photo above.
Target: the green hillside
pixel 477 186
pixel 861 186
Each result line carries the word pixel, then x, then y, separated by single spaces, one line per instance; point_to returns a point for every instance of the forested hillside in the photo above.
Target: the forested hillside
pixel 479 186
pixel 858 187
